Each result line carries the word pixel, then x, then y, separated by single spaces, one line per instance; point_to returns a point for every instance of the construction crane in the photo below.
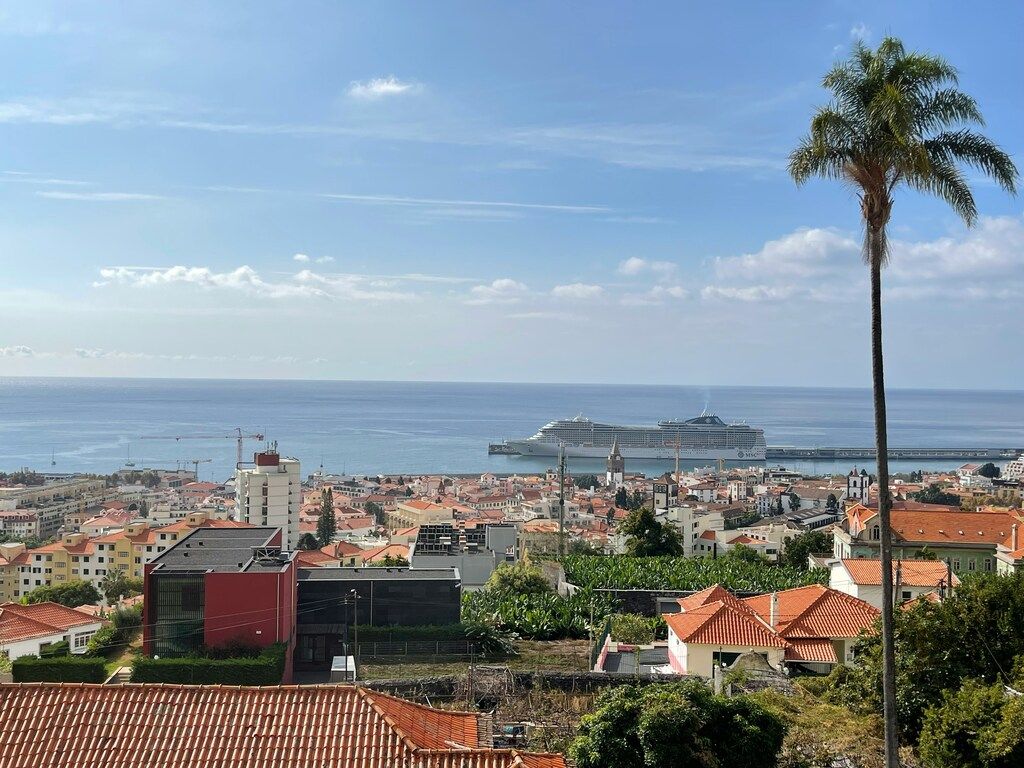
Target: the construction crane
pixel 195 464
pixel 238 435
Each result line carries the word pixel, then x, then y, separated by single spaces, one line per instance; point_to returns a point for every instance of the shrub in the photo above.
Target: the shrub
pixel 62 669
pixel 55 650
pixel 538 616
pixel 124 623
pixel 520 579
pixel 71 593
pixel 266 668
pixel 633 629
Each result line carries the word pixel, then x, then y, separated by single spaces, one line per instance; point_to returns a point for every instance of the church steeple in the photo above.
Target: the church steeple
pixel 616 466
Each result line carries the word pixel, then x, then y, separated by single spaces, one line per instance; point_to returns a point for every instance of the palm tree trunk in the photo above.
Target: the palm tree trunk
pixel 884 507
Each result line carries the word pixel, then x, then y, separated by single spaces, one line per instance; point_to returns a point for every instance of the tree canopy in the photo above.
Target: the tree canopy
pixel 519 579
pixel 586 482
pixel 71 593
pixel 677 724
pixel 796 550
pixel 933 494
pixel 326 525
pixel 647 536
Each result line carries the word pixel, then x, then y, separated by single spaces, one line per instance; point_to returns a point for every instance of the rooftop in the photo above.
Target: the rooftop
pixel 151 726
pixel 377 574
pixel 223 550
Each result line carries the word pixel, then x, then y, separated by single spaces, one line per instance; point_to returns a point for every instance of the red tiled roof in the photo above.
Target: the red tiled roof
pixel 721 623
pixel 23 622
pixel 812 649
pixel 913 573
pixel 815 611
pixel 174 726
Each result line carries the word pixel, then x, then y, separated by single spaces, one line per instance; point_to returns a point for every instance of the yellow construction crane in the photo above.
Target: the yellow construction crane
pixel 238 436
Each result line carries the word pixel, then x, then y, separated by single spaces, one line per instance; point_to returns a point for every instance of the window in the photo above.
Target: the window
pixel 876 533
pixel 988 564
pixel 82 640
pixel 956 563
pixel 906 595
pixel 971 564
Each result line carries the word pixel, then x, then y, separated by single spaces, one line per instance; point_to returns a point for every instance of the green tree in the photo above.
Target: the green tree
pixel 676 724
pixel 586 482
pixel 796 550
pixel 648 536
pixel 71 593
pixel 116 584
pixel 638 500
pixel 375 511
pixel 977 726
pixel 622 497
pixel 896 118
pixel 307 542
pixel 741 553
pixel 933 494
pixel 326 525
pixel 989 470
pixel 794 502
pixel 518 579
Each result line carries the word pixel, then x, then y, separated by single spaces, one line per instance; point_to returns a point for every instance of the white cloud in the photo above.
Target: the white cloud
pixel 18 350
pixel 504 290
pixel 301 257
pixel 380 87
pixel 860 31
pixel 804 253
pixel 325 260
pixel 659 294
pixel 98 197
pixel 577 291
pixel 634 265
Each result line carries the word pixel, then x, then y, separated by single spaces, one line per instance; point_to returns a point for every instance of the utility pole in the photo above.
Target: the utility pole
pixel 561 501
pixel 355 633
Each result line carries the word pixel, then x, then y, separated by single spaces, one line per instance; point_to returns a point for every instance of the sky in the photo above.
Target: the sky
pixel 466 191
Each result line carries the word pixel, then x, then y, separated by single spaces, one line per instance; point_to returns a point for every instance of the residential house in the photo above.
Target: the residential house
pixel 967 540
pixel 812 627
pixel 28 630
pixel 862 578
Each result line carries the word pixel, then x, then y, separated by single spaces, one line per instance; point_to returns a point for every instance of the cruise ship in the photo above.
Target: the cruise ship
pixel 701 438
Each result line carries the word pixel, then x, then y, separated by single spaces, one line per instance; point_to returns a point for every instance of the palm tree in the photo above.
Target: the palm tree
pixel 896 118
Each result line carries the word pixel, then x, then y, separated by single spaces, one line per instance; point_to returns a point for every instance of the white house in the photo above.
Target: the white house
pixel 862 578
pixel 27 630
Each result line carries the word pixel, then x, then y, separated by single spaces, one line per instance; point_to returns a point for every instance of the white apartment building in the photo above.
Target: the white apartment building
pixel 268 492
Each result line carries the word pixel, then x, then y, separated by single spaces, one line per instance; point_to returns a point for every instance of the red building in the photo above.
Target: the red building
pixel 217 587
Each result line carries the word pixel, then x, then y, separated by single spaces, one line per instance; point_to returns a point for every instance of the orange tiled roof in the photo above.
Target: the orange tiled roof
pixel 812 649
pixel 815 611
pixel 23 622
pixel 151 726
pixel 913 573
pixel 722 623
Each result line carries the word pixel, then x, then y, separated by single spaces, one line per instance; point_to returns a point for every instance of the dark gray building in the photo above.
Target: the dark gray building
pixel 387 597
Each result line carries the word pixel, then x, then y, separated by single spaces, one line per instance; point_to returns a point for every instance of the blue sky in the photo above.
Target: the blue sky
pixel 478 191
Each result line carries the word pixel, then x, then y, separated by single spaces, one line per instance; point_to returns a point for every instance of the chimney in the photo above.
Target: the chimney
pixel 773 614
pixel 1013 537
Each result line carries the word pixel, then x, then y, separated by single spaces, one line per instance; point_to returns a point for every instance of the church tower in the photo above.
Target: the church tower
pixel 616 466
pixel 857 485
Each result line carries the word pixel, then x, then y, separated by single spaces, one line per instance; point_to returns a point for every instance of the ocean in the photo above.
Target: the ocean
pixel 97 425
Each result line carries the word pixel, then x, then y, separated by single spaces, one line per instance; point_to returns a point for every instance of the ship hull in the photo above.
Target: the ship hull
pixel 545 448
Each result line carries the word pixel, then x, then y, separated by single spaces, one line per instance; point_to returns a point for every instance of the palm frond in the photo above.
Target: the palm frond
pixel 977 151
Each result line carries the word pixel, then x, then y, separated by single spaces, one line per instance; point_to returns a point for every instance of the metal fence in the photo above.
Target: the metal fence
pixel 426 648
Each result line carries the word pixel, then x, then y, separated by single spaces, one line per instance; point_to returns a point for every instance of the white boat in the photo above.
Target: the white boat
pixel 703 437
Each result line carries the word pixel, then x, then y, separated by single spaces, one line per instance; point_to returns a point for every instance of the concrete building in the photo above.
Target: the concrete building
pixel 475 552
pixel 269 493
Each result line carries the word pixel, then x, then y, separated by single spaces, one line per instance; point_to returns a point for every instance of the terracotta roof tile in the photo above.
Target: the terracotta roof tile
pixel 173 726
pixel 23 622
pixel 913 573
pixel 812 649
pixel 815 611
pixel 722 623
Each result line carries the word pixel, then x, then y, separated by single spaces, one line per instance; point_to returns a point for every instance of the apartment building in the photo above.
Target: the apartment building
pixel 269 493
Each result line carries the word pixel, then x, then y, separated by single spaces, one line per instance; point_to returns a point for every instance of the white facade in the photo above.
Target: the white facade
pixel 269 492
pixel 1014 470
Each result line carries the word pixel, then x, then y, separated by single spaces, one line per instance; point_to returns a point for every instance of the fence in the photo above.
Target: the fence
pixel 405 648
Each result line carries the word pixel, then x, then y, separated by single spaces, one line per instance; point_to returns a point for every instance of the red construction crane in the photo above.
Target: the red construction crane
pixel 238 435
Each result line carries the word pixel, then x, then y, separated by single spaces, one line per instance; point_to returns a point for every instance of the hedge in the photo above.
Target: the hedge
pixel 62 669
pixel 267 668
